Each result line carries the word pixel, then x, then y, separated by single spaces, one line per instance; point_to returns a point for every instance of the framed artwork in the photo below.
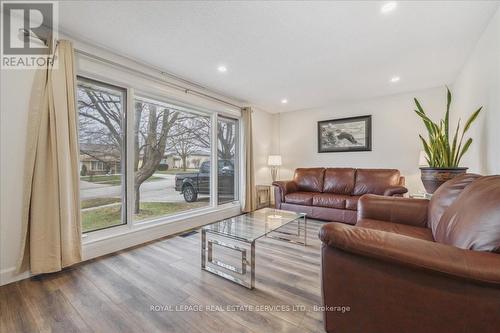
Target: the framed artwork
pixel 344 135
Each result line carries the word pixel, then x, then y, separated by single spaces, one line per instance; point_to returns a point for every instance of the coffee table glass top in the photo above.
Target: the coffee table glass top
pixel 251 226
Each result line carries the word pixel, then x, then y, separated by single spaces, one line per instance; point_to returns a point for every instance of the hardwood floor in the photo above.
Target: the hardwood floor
pixel 115 293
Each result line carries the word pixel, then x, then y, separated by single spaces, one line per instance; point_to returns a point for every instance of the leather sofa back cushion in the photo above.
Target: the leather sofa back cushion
pixel 375 181
pixel 445 196
pixel 339 180
pixel 473 221
pixel 309 179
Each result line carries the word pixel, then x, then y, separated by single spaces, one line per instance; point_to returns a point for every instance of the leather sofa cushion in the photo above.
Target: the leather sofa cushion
pixel 396 228
pixel 309 179
pixel 472 222
pixel 445 196
pixel 339 180
pixel 375 181
pixel 351 202
pixel 300 198
pixel 329 200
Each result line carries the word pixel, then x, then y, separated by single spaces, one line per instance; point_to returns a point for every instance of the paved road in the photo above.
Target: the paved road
pixel 154 191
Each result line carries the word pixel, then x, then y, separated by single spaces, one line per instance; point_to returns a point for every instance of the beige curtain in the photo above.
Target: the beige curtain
pixel 51 216
pixel 250 192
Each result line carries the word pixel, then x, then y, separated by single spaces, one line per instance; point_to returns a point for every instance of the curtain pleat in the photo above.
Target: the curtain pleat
pixel 51 216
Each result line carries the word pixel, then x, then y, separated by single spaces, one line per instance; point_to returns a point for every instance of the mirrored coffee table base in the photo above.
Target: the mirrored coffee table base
pixel 235 239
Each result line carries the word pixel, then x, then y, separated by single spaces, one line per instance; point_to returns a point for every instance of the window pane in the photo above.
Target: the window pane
pixel 227 156
pixel 102 170
pixel 172 160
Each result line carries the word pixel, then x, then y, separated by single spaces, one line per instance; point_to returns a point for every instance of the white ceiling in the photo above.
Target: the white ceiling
pixel 311 53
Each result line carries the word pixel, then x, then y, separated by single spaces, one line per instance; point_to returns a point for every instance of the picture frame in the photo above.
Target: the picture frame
pixel 345 134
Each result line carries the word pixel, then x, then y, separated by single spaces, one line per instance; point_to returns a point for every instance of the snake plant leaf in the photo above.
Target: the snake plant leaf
pixel 432 127
pixel 464 150
pixel 426 123
pixel 471 119
pixel 426 147
pixel 419 107
pixel 454 144
pixel 447 115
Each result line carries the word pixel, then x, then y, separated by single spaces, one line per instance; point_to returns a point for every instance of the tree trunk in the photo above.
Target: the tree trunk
pixel 184 158
pixel 137 198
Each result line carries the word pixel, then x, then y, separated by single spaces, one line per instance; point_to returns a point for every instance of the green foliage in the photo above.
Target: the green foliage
pixel 83 171
pixel 440 152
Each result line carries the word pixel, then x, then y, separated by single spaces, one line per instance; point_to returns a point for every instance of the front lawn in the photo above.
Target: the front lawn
pixel 96 202
pixel 109 216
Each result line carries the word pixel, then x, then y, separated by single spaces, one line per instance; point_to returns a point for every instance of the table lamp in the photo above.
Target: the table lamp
pixel 274 161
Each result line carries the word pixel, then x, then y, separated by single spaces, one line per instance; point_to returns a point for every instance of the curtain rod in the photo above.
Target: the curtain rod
pixel 29 33
pixel 170 84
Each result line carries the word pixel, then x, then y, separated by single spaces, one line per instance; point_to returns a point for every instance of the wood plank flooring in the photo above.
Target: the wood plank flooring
pixel 115 293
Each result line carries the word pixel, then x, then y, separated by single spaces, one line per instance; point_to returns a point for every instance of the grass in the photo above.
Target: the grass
pixel 176 171
pixel 111 179
pixel 110 216
pixel 96 202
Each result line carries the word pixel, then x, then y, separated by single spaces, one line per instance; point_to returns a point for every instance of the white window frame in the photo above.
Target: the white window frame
pixel 151 89
pixel 124 152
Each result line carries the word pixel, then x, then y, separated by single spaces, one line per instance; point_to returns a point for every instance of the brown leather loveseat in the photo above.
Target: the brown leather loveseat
pixel 413 265
pixel 332 194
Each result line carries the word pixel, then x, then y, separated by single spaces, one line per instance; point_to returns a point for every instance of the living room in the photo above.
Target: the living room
pixel 250 166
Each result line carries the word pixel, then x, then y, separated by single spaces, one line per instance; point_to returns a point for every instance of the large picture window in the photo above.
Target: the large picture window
pixel 166 168
pixel 172 160
pixel 101 115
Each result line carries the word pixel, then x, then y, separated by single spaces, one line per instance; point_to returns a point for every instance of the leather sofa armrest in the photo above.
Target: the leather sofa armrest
pixel 395 191
pixel 480 267
pixel 393 209
pixel 283 187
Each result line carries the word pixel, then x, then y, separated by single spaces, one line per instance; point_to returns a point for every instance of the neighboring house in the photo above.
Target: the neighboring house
pixel 99 159
pixel 193 161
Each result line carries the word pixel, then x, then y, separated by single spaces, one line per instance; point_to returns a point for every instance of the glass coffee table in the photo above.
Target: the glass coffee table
pixel 236 233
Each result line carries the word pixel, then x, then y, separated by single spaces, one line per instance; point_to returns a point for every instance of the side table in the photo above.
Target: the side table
pixel 264 195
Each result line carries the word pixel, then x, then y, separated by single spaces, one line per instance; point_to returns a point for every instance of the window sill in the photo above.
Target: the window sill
pixel 106 241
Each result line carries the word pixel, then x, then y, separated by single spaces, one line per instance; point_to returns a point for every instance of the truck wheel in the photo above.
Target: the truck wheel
pixel 190 194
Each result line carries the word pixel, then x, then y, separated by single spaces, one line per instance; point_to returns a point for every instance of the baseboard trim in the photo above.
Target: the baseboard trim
pixel 9 275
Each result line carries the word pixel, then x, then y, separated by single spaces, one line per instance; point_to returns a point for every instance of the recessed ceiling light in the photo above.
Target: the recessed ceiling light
pixel 388 7
pixel 222 69
pixel 284 101
pixel 395 79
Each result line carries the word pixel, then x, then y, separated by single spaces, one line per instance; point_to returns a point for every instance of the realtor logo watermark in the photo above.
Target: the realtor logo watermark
pixel 28 29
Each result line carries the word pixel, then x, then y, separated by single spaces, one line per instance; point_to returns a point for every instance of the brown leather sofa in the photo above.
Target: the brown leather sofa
pixel 413 265
pixel 332 194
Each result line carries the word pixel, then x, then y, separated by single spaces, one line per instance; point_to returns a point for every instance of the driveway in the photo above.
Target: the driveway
pixel 157 190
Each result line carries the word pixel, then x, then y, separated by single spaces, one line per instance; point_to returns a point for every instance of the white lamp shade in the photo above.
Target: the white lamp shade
pixel 274 160
pixel 422 161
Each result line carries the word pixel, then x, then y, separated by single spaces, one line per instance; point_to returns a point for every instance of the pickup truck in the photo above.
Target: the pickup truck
pixel 192 184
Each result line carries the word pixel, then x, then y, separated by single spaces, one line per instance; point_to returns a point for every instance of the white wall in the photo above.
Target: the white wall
pixel 479 85
pixel 395 129
pixel 262 144
pixel 15 92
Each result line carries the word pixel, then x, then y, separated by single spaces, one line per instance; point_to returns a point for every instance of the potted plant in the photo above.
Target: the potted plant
pixel 442 154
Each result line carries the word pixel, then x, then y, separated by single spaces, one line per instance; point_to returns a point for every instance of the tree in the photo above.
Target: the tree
pixel 226 140
pixel 192 134
pixel 152 128
pixel 102 129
